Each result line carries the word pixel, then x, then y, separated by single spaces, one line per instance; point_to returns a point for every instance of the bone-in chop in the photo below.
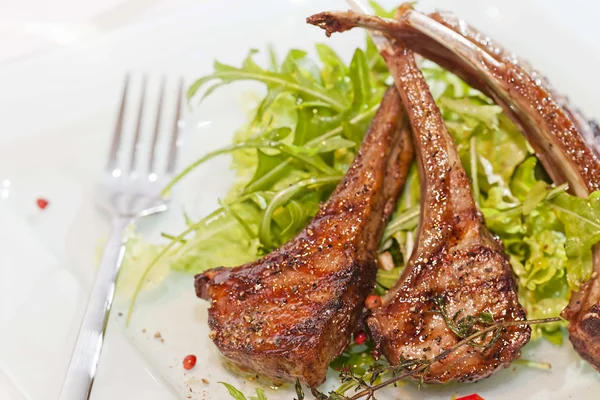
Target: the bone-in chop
pixel 553 128
pixel 456 261
pixel 289 314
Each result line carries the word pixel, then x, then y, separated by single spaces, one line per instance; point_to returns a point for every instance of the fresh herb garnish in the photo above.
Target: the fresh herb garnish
pixel 367 382
pixel 299 390
pixel 238 395
pixel 533 364
pixel 366 386
pixel 465 326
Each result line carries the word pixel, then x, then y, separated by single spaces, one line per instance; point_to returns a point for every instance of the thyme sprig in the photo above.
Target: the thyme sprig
pixel 407 368
pixel 299 390
pixel 465 326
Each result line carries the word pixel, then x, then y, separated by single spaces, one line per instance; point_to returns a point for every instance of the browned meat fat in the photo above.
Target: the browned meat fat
pixel 289 314
pixel 555 130
pixel 566 144
pixel 455 258
pixel 521 92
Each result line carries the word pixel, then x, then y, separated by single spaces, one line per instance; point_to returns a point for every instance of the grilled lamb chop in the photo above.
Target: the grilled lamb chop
pixel 555 130
pixel 289 314
pixel 456 260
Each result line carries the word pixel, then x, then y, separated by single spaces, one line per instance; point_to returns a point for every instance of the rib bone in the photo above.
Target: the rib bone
pixel 455 259
pixel 289 314
pixel 554 129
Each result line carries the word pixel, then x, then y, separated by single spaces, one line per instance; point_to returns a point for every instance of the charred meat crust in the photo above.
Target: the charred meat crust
pixel 455 256
pixel 585 336
pixel 587 128
pixel 567 123
pixel 556 130
pixel 538 105
pixel 289 314
pixel 524 96
pixel 583 313
pixel 410 328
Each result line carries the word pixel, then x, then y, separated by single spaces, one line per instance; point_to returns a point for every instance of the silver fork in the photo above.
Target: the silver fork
pixel 126 195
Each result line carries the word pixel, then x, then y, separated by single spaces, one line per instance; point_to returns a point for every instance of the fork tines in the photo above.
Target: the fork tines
pixel 121 161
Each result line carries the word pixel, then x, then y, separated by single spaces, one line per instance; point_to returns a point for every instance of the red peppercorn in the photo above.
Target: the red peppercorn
pixel 373 301
pixel 189 362
pixel 41 203
pixel 473 396
pixel 360 338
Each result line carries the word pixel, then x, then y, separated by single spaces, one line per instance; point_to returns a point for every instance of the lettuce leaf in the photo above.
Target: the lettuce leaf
pixel 220 241
pixel 138 255
pixel 581 219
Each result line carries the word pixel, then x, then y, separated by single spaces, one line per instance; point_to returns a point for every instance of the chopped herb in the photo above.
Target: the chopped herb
pixel 238 395
pixel 366 384
pixel 299 390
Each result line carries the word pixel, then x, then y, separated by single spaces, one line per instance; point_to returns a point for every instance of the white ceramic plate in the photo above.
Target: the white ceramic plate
pixel 57 111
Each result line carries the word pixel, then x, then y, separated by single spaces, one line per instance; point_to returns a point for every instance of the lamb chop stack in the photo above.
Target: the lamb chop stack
pixel 457 267
pixel 556 131
pixel 289 314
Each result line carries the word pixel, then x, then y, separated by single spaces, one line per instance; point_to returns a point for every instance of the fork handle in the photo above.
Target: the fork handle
pixel 84 361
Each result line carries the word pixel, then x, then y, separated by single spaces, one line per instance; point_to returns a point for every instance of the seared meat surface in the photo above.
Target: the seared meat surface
pixel 289 314
pixel 556 131
pixel 588 129
pixel 523 95
pixel 456 261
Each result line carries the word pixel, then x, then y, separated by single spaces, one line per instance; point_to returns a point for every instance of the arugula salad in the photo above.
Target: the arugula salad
pixel 300 140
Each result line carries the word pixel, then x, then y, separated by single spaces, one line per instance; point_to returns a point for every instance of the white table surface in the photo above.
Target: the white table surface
pixel 34 28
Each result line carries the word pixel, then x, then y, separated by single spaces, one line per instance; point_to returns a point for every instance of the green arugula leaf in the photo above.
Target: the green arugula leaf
pixel 307 70
pixel 535 196
pixel 334 70
pixel 404 221
pixel 308 157
pixel 352 132
pixel 292 218
pixel 357 356
pixel 360 75
pixel 498 216
pixel 499 152
pixel 331 144
pixel 238 395
pixel 380 11
pixel 299 391
pixel 486 114
pixel 221 240
pixel 547 258
pixel 260 395
pixel 282 197
pixel 311 125
pixel 266 169
pixel 305 88
pixel 273 64
pixel 271 96
pixel 235 393
pixel 376 63
pixel 387 279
